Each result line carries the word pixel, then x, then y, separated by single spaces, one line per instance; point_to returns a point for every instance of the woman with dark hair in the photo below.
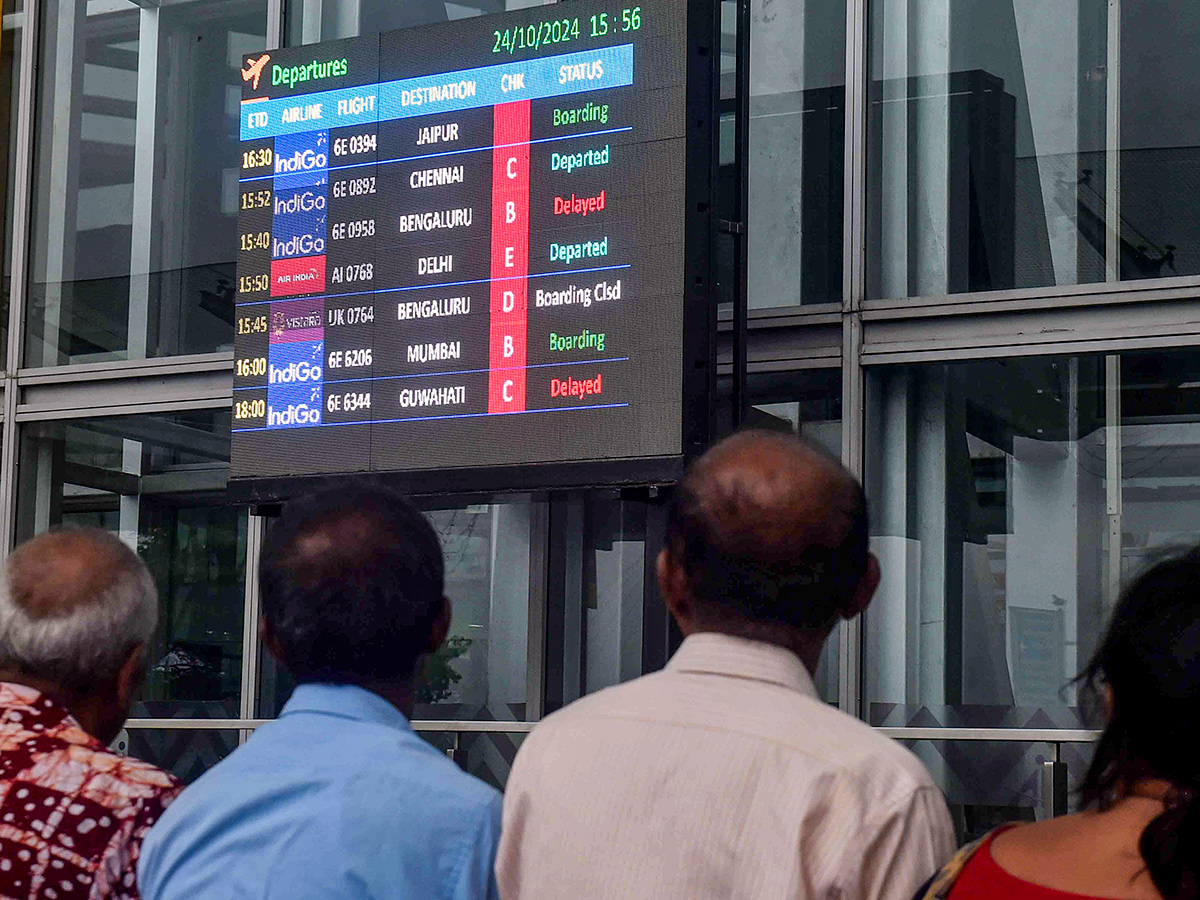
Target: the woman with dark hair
pixel 1138 837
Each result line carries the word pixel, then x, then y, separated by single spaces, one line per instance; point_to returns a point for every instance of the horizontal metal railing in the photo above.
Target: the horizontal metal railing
pixel 1021 735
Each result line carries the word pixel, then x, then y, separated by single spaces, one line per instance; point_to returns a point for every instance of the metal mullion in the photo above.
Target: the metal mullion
pixel 18 287
pixel 85 412
pixel 999 735
pixel 854 200
pixel 251 646
pixel 1112 141
pixel 1007 348
pixel 854 206
pixel 850 634
pixel 275 13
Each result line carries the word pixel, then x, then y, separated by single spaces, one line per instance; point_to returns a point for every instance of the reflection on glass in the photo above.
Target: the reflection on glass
pixel 987 136
pixel 1159 138
pixel 807 403
pixel 597 594
pixel 310 21
pixel 797 142
pixel 186 754
pixel 487 756
pixel 1010 500
pixel 1016 144
pixel 481 671
pixel 136 188
pixel 987 783
pixel 156 481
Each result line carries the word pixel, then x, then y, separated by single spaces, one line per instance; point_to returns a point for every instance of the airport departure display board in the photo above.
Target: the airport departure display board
pixel 462 245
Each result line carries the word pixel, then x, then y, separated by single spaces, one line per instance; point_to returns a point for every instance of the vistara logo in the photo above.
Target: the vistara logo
pixel 254 69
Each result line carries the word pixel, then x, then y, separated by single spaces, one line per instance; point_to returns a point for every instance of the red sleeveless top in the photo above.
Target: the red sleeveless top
pixel 983 879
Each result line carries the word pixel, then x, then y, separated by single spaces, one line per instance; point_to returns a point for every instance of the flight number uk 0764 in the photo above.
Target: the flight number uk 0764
pixel 350 315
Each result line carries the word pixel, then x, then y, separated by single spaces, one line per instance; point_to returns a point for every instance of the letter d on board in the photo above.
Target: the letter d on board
pixel 510 301
pixel 509 350
pixel 510 212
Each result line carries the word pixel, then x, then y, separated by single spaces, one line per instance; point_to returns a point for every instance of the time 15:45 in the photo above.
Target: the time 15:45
pixel 631 20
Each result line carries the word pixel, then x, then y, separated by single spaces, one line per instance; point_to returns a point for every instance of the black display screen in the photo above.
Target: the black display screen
pixel 463 246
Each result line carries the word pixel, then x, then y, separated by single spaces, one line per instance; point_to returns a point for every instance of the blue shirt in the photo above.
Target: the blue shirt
pixel 338 798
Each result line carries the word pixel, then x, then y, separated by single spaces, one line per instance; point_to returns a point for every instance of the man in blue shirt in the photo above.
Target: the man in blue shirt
pixel 338 798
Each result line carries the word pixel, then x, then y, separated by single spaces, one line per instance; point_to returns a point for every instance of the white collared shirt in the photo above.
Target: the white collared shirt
pixel 723 776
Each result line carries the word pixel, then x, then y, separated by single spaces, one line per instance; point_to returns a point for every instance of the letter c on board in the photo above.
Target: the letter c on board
pixel 507 392
pixel 512 163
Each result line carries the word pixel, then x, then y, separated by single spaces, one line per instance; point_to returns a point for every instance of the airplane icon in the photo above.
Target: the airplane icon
pixel 255 69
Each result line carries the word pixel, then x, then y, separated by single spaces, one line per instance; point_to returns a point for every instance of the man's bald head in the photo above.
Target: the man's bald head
pixel 74 603
pixel 768 529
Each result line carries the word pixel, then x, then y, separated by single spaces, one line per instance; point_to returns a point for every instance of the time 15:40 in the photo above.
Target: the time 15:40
pixel 630 20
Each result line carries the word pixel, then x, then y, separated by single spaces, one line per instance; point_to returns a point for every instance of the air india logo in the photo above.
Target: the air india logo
pixel 254 69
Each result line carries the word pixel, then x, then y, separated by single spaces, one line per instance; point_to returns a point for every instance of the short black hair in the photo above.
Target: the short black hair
pixel 352 583
pixel 774 566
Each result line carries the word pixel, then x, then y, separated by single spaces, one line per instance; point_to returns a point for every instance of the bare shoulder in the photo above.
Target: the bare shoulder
pixel 1086 853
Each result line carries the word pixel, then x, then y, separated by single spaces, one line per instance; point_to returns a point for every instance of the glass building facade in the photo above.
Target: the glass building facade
pixel 973 271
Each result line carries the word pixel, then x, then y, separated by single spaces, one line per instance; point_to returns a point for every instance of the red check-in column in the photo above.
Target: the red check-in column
pixel 510 257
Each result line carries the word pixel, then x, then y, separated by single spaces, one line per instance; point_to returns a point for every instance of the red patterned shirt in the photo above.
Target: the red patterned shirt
pixel 72 814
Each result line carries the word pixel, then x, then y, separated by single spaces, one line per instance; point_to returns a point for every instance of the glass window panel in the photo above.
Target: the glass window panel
pixel 1010 501
pixel 1159 138
pixel 598 593
pixel 481 672
pixel 185 753
pixel 486 756
pixel 987 783
pixel 797 145
pixel 986 145
pixel 158 482
pixel 135 195
pixel 807 403
pixel 310 21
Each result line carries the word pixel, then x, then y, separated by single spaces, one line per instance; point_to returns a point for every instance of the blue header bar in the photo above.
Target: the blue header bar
pixel 534 79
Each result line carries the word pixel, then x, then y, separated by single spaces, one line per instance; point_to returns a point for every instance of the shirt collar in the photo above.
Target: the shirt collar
pixel 23 708
pixel 347 701
pixel 709 653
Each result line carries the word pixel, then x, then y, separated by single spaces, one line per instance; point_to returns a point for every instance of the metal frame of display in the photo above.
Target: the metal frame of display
pixel 853 336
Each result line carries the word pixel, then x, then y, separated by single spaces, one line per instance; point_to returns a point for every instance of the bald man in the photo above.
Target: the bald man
pixel 77 610
pixel 725 775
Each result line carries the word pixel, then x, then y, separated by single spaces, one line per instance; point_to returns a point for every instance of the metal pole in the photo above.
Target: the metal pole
pixel 741 297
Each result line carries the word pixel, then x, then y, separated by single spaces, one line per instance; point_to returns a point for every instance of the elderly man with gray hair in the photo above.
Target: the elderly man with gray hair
pixel 77 611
